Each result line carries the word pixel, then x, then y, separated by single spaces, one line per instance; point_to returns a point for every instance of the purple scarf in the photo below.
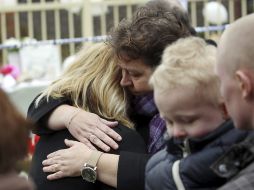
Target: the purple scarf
pixel 144 105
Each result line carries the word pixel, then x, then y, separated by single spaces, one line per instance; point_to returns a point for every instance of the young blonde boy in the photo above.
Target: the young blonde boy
pixel 187 94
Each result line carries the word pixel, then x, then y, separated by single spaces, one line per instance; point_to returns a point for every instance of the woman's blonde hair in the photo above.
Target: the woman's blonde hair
pixel 189 63
pixel 92 82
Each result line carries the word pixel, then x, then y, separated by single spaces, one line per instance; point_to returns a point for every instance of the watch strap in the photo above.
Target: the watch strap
pixel 92 161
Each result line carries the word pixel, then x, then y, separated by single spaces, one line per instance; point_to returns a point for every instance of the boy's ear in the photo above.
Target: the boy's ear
pixel 224 111
pixel 245 83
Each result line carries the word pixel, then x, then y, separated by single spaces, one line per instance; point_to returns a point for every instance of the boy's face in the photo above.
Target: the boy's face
pixel 185 114
pixel 135 76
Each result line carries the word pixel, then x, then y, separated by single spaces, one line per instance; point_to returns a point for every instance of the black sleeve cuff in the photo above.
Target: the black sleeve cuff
pixel 131 171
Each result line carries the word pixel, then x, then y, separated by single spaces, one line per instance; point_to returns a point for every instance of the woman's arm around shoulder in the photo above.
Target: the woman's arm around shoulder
pixel 40 113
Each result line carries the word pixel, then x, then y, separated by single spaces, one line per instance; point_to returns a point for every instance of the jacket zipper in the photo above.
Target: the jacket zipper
pixel 186 148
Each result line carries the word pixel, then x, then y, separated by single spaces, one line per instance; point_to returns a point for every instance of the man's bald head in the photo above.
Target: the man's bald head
pixel 235 68
pixel 236 47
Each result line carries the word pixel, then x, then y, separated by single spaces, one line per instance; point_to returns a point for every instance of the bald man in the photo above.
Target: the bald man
pixel 235 68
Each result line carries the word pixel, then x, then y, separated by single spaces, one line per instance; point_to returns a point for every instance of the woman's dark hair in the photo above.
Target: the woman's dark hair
pixel 153 27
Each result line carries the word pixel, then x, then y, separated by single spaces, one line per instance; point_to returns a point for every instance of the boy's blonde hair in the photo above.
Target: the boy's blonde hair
pixel 189 63
pixel 92 83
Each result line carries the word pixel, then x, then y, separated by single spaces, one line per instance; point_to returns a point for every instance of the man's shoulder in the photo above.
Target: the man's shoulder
pixel 238 158
pixel 242 181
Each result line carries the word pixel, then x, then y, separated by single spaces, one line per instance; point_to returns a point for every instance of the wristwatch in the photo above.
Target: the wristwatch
pixel 88 171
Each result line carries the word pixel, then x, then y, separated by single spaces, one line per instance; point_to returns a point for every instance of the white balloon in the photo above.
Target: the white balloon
pixel 215 13
pixel 98 7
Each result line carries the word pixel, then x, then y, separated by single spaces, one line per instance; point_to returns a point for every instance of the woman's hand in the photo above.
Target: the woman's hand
pixel 66 162
pixel 86 127
pixel 91 130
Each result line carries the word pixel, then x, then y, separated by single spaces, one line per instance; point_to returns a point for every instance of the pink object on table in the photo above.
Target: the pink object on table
pixel 10 69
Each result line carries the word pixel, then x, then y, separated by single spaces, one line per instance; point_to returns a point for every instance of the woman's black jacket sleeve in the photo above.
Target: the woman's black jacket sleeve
pixel 131 171
pixel 40 113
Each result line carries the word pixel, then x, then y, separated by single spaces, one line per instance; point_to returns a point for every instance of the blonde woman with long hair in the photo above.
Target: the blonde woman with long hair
pixel 90 84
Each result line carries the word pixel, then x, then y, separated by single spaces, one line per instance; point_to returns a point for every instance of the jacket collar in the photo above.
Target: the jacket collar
pixel 192 145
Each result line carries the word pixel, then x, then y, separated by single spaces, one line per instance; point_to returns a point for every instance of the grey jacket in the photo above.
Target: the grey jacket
pixel 243 181
pixel 238 166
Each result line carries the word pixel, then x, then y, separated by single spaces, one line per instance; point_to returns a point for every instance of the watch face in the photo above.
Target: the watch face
pixel 88 174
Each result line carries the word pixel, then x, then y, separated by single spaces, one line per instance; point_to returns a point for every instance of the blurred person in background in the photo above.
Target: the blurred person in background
pixel 13 145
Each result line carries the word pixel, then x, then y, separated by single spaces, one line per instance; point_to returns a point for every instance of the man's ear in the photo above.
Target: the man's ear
pixel 224 111
pixel 245 82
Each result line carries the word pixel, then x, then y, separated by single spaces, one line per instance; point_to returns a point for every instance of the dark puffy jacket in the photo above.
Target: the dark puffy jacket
pixel 237 164
pixel 170 169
